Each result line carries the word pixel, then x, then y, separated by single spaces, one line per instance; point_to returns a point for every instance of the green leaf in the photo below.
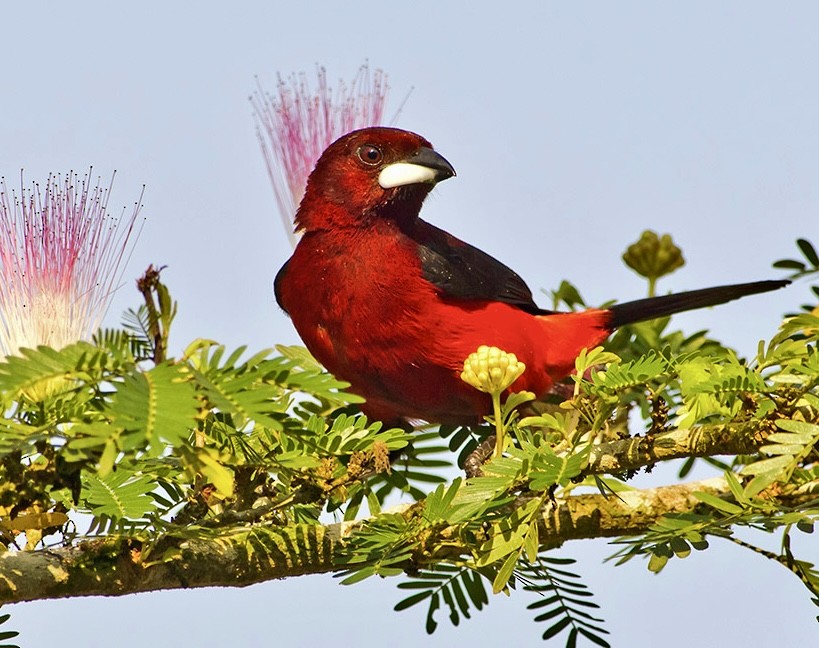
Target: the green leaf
pixel 373 503
pixel 759 483
pixel 438 503
pixel 119 494
pixel 453 611
pixel 680 547
pixel 567 294
pixel 434 604
pixel 790 264
pixel 594 638
pixel 359 575
pixel 516 399
pixel 499 545
pixel 767 466
pixel 244 391
pixel 563 588
pixel 809 251
pixel 412 600
pixel 475 494
pixel 7 634
pixel 460 599
pixel 531 542
pixel 671 522
pixel 779 449
pixel 156 406
pixel 504 573
pixel 805 526
pixel 207 462
pixel 657 562
pixel 551 469
pixel 551 614
pixel 473 582
pixel 32 366
pixel 788 437
pixel 630 374
pixel 810 430
pixel 718 503
pixel 557 628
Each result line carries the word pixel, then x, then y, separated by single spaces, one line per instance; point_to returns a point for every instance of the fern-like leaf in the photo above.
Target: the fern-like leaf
pixel 36 366
pixel 7 634
pixel 246 390
pixel 620 376
pixel 565 600
pixel 156 406
pixel 457 586
pixel 120 494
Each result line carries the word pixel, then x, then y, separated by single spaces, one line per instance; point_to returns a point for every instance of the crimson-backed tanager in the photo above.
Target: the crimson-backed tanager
pixel 394 305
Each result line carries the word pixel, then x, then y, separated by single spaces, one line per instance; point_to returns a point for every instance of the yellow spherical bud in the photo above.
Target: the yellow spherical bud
pixel 491 370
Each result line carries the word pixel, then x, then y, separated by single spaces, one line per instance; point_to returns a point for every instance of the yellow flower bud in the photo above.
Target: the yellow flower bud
pixel 491 370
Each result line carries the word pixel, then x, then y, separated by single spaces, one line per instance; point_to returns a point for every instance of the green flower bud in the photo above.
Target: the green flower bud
pixel 653 256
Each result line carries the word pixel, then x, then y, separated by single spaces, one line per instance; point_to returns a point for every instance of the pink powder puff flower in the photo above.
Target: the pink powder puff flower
pixel 61 257
pixel 295 125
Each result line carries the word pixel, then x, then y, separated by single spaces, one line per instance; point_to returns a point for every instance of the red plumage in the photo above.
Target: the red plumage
pixel 394 305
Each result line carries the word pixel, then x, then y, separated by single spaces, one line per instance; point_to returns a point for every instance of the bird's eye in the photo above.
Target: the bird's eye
pixel 369 154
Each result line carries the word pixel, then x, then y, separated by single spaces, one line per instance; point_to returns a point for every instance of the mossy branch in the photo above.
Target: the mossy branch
pixel 116 566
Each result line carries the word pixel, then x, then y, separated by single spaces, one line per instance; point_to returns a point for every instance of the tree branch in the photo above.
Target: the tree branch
pixel 253 554
pixel 699 441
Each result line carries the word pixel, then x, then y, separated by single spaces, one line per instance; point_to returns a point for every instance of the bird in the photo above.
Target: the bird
pixel 393 305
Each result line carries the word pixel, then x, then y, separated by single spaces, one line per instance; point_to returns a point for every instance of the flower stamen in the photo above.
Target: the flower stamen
pixel 296 125
pixel 61 258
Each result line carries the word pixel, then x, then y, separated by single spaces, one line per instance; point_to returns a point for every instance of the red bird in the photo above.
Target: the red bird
pixel 394 305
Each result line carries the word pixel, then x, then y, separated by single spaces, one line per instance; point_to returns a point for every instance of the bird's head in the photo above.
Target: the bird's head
pixel 370 173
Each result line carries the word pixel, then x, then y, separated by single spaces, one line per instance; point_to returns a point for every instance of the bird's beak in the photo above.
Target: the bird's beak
pixel 425 165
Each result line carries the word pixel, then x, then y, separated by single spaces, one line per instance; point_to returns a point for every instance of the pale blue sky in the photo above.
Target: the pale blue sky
pixel 573 127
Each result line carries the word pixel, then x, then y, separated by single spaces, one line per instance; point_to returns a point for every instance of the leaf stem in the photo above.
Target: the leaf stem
pixel 499 431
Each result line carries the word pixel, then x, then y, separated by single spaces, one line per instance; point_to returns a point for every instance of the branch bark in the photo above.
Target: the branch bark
pixel 240 557
pixel 699 441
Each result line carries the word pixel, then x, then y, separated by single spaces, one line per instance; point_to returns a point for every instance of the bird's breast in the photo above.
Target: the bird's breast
pixel 354 298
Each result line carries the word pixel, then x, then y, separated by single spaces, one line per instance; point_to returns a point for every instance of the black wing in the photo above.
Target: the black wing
pixel 462 271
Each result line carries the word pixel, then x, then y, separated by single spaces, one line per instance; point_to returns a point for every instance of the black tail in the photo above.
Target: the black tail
pixel 651 307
